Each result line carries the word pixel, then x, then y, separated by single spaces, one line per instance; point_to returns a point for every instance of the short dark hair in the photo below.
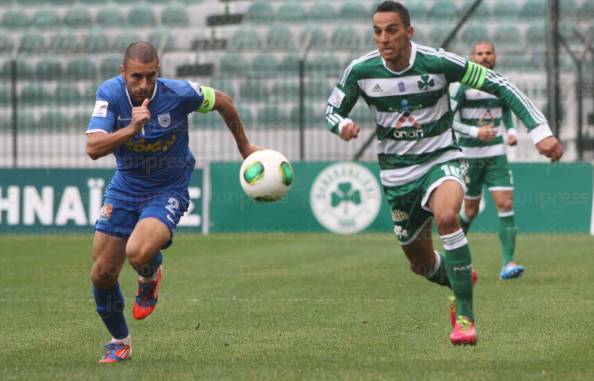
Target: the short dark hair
pixel 141 51
pixel 394 6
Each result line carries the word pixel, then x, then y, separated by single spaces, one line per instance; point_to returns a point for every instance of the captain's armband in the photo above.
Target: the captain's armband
pixel 209 99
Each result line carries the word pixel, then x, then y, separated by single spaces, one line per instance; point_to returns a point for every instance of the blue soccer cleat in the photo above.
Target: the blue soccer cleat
pixel 511 271
pixel 116 352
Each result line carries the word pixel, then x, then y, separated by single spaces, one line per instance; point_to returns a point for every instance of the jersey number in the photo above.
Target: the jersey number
pixel 450 170
pixel 172 205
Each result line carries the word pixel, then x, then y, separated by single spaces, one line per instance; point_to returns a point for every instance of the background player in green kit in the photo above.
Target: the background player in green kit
pixel 480 136
pixel 407 85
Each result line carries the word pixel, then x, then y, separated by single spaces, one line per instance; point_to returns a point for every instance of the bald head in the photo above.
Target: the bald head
pixel 485 42
pixel 142 52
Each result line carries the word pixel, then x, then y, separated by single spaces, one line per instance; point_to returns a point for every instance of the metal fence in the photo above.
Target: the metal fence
pixel 46 100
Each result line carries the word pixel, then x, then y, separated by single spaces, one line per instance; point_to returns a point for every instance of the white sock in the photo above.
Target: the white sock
pixel 125 340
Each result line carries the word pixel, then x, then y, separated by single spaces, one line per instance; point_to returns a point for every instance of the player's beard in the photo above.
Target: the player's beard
pixel 138 97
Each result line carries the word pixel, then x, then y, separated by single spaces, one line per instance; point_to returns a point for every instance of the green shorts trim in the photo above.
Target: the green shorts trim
pixel 408 202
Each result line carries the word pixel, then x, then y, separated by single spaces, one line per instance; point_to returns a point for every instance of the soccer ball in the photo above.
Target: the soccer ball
pixel 266 175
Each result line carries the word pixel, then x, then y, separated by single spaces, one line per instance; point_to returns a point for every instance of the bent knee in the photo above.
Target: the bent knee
pixel 104 276
pixel 446 220
pixel 505 206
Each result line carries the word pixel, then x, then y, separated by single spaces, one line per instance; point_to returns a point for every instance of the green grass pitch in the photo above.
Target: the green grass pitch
pixel 283 307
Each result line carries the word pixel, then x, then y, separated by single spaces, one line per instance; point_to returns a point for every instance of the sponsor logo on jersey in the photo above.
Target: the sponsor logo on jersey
pixel 141 146
pixel 100 109
pixel 377 88
pixel 345 198
pixel 336 97
pixel 426 82
pixel 406 116
pixel 164 120
pixel 399 215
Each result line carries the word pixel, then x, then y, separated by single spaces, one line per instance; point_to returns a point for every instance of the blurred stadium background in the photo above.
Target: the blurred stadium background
pixel 54 54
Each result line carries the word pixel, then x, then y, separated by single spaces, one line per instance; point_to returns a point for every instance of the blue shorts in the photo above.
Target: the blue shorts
pixel 118 217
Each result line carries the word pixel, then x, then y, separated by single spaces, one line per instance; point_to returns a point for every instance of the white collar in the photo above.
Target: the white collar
pixel 411 60
pixel 152 96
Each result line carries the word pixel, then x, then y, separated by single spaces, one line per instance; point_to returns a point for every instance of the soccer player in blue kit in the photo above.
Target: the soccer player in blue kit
pixel 143 121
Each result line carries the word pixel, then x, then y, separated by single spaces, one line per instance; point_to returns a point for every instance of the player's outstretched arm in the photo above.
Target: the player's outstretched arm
pixel 224 106
pixel 100 144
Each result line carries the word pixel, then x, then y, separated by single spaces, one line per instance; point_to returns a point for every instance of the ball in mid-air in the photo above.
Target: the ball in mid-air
pixel 266 175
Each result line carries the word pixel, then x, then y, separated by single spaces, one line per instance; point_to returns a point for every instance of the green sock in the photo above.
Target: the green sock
pixel 459 268
pixel 507 235
pixel 439 274
pixel 464 221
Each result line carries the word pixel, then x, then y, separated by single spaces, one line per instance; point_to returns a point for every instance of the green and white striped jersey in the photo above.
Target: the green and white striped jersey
pixel 412 107
pixel 478 109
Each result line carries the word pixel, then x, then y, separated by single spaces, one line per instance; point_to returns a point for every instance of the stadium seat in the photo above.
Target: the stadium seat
pixel 141 16
pixel 110 67
pixel 289 64
pixel 80 121
pixel 123 40
pixel 290 12
pixel 89 93
pixel 5 98
pixel 481 12
pixel 28 3
pixel 312 118
pixel 245 38
pixel 318 38
pixel 15 19
pixel 263 65
pixel 64 42
pixel 26 121
pixel 96 42
pixel 78 18
pixel 162 39
pixel 507 34
pixel 533 9
pixel 175 16
pixel 226 86
pixel 33 93
pixel 246 115
pixel 505 10
pixel 54 120
pixel 587 11
pixel 437 35
pixel 279 37
pixel 344 37
pixel 60 2
pixel 535 34
pixel 444 9
pixel 417 10
pixel 321 11
pixel 272 116
pixel 231 63
pixel 24 69
pixel 259 12
pixel 253 90
pixel 569 8
pixel 49 69
pixel 507 62
pixel 473 34
pixel 32 42
pixel 45 19
pixel 81 69
pixel 317 89
pixel 354 10
pixel 6 44
pixel 66 94
pixel 110 17
pixel 325 63
pixel 284 90
pixel 5 123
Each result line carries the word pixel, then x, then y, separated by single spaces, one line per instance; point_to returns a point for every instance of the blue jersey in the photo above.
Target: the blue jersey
pixel 159 157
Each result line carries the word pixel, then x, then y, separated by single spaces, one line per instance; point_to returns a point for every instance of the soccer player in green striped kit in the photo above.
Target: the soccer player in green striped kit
pixel 407 86
pixel 480 135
